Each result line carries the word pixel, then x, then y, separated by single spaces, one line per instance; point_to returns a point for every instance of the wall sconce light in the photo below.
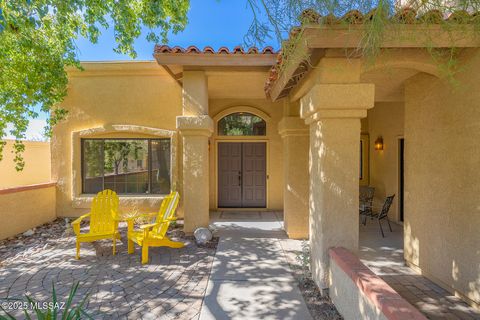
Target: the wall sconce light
pixel 379 143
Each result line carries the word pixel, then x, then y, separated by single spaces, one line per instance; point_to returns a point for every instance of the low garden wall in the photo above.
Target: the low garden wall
pixel 26 207
pixel 359 294
pixel 37 164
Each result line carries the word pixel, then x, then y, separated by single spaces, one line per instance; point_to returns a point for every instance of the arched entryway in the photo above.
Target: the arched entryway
pixel 241 152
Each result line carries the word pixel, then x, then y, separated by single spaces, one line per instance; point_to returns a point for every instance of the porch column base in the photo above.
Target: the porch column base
pixel 195 131
pixel 295 136
pixel 333 112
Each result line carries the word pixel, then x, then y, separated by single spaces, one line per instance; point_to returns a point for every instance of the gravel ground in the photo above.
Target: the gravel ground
pixel 320 307
pixel 43 237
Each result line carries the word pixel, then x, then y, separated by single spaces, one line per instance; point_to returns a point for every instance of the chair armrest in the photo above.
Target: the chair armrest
pixel 146 229
pixel 76 224
pixel 147 226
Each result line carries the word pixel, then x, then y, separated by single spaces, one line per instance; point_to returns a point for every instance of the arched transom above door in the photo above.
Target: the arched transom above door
pixel 241 122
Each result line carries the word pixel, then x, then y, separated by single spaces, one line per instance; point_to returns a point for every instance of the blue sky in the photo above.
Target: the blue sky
pixel 213 23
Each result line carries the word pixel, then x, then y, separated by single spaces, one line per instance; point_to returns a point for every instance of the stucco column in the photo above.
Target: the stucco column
pixel 195 132
pixel 195 127
pixel 295 136
pixel 195 93
pixel 333 112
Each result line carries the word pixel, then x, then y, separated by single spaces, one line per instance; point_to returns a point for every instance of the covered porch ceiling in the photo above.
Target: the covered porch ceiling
pixel 231 74
pixel 389 83
pixel 319 36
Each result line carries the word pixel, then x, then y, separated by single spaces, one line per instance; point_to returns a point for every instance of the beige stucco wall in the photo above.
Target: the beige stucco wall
pixel 274 113
pixel 138 94
pixel 37 207
pixel 386 119
pixel 442 213
pixel 139 100
pixel 37 165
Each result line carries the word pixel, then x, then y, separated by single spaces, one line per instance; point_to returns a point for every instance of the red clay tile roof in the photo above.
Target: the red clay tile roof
pixel 209 50
pixel 403 16
pixel 311 17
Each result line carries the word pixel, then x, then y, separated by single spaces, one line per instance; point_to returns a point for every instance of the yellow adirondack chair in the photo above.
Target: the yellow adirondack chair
pixel 103 223
pixel 155 234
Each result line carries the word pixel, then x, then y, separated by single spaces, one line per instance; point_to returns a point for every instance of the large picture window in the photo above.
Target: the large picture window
pixel 126 166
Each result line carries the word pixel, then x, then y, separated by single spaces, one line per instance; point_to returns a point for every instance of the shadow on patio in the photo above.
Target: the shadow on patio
pixel 251 277
pixel 172 285
pixel 384 256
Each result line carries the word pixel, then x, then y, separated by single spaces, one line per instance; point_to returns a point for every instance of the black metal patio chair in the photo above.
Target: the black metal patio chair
pixel 366 195
pixel 384 213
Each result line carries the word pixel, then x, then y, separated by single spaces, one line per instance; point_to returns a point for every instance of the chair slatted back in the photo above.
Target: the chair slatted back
pixel 162 212
pixel 168 207
pixel 366 194
pixel 103 212
pixel 386 206
pixel 171 203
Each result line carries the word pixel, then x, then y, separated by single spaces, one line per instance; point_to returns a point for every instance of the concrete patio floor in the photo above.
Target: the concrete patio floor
pixel 384 256
pixel 251 278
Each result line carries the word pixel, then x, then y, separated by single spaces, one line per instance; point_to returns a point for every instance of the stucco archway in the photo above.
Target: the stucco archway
pixel 236 109
pixel 419 60
pixel 217 139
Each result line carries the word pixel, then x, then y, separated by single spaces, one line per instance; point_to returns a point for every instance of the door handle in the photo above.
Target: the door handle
pixel 239 178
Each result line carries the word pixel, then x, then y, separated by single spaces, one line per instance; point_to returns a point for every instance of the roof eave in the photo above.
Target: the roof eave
pixel 216 60
pixel 321 37
pixel 404 36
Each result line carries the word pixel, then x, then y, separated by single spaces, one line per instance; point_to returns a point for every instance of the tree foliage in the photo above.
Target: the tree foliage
pixel 275 19
pixel 37 42
pixel 241 124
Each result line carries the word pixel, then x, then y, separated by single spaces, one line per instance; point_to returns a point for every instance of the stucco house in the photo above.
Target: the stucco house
pixel 243 129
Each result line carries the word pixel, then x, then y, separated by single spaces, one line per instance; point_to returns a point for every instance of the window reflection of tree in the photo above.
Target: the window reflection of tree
pixel 160 166
pixel 118 164
pixel 118 152
pixel 241 124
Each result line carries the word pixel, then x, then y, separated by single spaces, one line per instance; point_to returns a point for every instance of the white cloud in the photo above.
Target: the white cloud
pixel 35 130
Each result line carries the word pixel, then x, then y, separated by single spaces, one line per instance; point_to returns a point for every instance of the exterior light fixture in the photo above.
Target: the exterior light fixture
pixel 379 143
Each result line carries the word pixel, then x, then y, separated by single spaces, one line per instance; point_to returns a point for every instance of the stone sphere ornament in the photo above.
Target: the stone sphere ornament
pixel 202 235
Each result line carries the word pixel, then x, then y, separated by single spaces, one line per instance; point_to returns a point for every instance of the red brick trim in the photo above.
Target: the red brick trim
pixel 387 300
pixel 26 188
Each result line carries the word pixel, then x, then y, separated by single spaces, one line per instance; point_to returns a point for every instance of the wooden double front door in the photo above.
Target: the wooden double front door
pixel 242 175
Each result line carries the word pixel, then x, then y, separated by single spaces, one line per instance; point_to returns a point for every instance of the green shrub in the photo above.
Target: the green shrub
pixel 55 309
